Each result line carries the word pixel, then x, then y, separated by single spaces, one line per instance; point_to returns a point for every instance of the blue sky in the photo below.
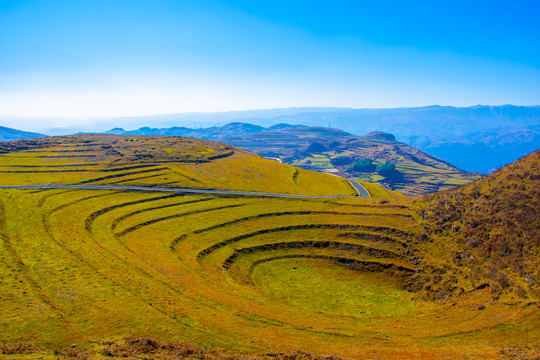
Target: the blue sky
pixel 94 58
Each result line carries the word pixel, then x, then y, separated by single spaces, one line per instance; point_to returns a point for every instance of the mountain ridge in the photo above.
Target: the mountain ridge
pixel 8 134
pixel 461 134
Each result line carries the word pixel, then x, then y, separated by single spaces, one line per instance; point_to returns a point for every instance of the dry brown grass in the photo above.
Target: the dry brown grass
pixel 493 225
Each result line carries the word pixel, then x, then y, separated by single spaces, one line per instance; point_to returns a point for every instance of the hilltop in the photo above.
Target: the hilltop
pixel 156 161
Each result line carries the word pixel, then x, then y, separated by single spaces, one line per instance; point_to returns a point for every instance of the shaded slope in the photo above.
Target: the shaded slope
pixel 492 227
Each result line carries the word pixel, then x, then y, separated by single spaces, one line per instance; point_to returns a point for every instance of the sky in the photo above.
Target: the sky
pixel 80 59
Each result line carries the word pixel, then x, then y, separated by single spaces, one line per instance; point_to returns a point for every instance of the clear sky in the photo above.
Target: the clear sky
pixel 93 58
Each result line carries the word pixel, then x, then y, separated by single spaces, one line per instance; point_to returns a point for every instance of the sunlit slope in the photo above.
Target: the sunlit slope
pixel 488 233
pixel 335 151
pixel 357 277
pixel 155 161
pixel 236 273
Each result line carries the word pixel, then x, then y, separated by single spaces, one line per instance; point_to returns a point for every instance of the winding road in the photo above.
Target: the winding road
pixel 361 190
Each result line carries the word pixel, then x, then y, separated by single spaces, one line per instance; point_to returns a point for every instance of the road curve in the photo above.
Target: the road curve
pixel 362 192
pixel 183 190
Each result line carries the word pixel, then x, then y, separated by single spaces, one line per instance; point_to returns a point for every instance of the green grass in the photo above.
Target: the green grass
pixel 322 286
pixel 85 278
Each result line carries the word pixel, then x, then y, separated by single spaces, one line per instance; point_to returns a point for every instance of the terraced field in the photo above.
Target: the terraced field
pixel 420 172
pixel 343 276
pixel 155 161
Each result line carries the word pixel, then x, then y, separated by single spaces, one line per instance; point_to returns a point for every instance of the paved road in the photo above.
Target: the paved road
pixel 184 190
pixel 362 192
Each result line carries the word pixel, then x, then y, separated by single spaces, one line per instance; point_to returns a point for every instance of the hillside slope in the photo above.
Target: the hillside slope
pixel 335 151
pixel 491 228
pixel 155 161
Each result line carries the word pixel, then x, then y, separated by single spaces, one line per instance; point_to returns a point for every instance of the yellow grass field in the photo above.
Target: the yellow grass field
pixel 238 274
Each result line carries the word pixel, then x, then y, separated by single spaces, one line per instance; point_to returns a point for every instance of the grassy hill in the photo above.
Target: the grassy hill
pixel 155 161
pixel 490 229
pixel 336 151
pixel 110 270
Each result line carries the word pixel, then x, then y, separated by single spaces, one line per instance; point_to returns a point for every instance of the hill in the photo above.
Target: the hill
pixel 8 134
pixel 490 229
pixel 336 151
pixel 119 273
pixel 159 161
pixel 417 172
pixel 214 133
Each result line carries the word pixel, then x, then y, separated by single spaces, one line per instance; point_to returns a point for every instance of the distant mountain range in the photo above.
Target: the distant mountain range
pixel 213 133
pixel 477 138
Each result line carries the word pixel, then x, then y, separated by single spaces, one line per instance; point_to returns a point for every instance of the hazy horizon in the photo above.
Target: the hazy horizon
pixel 194 120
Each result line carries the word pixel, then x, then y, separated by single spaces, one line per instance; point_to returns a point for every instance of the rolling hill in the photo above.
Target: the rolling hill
pixel 417 172
pixel 115 273
pixel 155 161
pixel 336 151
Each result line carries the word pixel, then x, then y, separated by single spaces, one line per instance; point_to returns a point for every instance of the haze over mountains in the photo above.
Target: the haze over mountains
pixel 478 138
